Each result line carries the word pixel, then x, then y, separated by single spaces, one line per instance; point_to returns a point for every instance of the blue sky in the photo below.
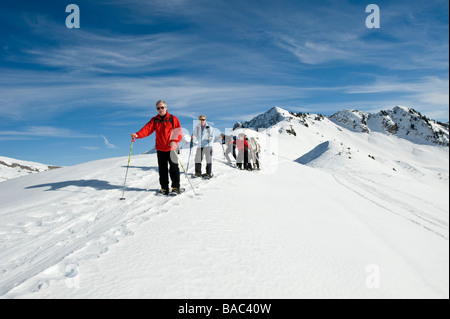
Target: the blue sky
pixel 69 96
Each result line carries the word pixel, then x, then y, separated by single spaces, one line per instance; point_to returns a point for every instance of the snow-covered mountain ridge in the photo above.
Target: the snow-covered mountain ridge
pixel 401 121
pixel 12 168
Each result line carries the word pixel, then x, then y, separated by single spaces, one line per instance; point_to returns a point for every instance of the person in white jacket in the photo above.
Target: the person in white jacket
pixel 254 149
pixel 204 135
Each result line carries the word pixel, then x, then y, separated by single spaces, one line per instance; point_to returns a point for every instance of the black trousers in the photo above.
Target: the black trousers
pixel 242 159
pixel 203 152
pixel 166 160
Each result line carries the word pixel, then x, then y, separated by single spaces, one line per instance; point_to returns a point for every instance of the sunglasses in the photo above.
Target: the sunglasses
pixel 202 119
pixel 160 108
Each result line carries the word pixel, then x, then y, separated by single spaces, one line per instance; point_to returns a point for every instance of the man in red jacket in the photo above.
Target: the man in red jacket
pixel 242 146
pixel 167 135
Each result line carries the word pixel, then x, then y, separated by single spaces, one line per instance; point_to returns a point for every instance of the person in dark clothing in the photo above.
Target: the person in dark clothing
pixel 248 163
pixel 227 140
pixel 168 134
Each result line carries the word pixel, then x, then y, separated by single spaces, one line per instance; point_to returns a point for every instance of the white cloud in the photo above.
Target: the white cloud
pixel 430 90
pixel 310 52
pixel 107 143
pixel 337 33
pixel 44 131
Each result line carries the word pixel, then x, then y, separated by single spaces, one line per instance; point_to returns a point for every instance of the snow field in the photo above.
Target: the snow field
pixel 311 229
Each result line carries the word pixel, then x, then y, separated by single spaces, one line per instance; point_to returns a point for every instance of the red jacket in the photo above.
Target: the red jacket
pixel 166 131
pixel 241 144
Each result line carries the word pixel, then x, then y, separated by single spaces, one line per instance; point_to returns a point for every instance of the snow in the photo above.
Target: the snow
pixel 333 214
pixel 12 168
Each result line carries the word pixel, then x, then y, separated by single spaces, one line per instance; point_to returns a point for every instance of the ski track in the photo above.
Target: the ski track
pixel 66 236
pixel 404 210
pixel 58 237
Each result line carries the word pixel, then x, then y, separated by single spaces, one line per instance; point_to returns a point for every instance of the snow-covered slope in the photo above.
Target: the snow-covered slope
pixel 12 168
pixel 333 214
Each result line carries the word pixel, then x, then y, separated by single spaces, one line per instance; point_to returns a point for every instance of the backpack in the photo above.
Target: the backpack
pixel 170 119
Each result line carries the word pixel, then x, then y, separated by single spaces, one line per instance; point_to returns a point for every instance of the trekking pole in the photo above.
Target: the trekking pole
pixel 190 149
pixel 185 172
pixel 128 166
pixel 211 160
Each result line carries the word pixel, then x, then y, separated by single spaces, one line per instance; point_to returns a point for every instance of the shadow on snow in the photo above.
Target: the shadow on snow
pixel 314 154
pixel 92 183
pixel 144 168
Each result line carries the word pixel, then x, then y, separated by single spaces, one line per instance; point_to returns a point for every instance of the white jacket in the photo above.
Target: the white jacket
pixel 204 138
pixel 254 146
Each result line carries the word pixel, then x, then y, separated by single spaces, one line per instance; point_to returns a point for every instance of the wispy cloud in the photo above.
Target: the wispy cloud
pixel 107 143
pixel 211 64
pixel 129 95
pixel 429 91
pixel 336 33
pixel 310 52
pixel 430 94
pixel 44 131
pixel 387 84
pixel 114 54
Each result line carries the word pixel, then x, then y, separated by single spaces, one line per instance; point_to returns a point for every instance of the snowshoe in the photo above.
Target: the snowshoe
pixel 163 191
pixel 177 191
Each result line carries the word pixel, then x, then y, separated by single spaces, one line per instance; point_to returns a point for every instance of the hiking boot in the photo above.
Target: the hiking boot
pixel 163 191
pixel 198 174
pixel 177 190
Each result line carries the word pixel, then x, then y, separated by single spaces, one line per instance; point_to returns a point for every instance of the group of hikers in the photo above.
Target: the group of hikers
pixel 168 134
pixel 248 151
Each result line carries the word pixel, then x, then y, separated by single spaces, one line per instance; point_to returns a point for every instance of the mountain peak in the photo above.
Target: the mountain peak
pixel 265 120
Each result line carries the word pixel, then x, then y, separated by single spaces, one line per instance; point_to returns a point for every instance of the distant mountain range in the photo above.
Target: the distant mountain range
pixel 401 121
pixel 12 168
